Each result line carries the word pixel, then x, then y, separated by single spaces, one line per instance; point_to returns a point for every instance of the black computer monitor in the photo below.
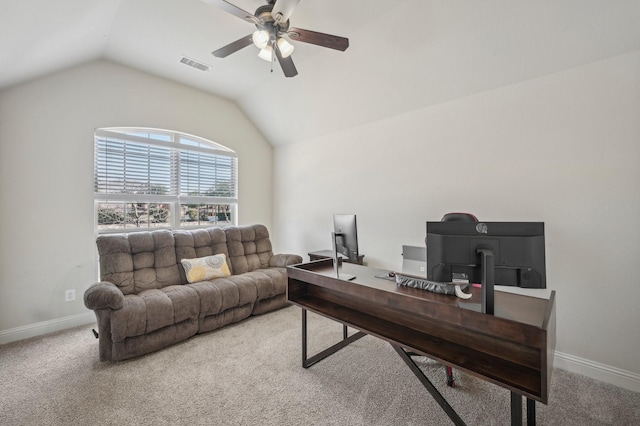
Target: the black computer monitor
pixel 458 250
pixel 346 235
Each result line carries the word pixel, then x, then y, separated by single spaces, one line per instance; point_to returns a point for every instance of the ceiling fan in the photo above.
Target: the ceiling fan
pixel 274 33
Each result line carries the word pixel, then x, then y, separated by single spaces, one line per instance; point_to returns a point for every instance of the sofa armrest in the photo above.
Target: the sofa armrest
pixel 103 295
pixel 284 260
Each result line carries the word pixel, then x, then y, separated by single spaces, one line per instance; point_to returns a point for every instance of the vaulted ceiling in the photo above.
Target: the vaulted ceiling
pixel 403 54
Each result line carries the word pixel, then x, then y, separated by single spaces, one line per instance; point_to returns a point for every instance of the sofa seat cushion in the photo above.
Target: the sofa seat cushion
pixel 221 294
pixel 152 310
pixel 269 282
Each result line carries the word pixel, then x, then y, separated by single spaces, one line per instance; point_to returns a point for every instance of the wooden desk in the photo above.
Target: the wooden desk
pixel 513 348
pixel 328 254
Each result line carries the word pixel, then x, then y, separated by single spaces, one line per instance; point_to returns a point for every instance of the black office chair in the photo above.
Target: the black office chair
pixel 459 217
pixel 456 217
pixel 452 217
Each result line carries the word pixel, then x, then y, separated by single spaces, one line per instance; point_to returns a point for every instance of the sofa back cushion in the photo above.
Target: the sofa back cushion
pixel 199 243
pixel 249 248
pixel 138 261
pixel 146 260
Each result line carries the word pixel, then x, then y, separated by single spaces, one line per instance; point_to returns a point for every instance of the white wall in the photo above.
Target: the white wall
pixel 47 242
pixel 563 149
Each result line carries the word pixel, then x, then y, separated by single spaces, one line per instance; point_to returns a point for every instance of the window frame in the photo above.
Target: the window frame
pixel 177 143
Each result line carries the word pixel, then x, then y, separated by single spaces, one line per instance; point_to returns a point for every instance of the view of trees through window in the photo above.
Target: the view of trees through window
pixel 113 215
pixel 148 178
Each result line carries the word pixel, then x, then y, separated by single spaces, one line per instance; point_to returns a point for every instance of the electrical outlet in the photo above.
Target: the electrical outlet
pixel 422 269
pixel 69 295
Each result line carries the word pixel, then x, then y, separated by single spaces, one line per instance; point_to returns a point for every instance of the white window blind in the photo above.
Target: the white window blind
pixel 196 177
pixel 203 174
pixel 128 167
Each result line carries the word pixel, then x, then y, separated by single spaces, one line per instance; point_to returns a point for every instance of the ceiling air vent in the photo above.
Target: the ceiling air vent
pixel 194 64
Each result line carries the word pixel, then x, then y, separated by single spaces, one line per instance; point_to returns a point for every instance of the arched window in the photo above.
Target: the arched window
pixel 152 178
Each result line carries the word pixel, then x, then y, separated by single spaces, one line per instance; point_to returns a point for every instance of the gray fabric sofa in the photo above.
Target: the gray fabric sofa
pixel 144 302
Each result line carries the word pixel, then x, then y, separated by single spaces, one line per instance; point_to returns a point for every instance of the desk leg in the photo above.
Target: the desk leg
pixel 430 387
pixel 308 362
pixel 516 410
pixel 531 412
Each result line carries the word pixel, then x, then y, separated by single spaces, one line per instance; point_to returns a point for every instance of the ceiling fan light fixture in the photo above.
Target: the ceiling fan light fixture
pixel 286 48
pixel 266 53
pixel 260 38
pixel 272 24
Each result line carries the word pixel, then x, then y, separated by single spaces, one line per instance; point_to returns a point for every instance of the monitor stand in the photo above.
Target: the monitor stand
pixel 487 305
pixel 346 277
pixel 488 280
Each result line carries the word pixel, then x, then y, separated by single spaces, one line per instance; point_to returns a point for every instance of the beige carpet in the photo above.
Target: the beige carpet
pixel 250 374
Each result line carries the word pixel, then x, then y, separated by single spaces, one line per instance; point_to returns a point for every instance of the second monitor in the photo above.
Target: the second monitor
pixel 346 234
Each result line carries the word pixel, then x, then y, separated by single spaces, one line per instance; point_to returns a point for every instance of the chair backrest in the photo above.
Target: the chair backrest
pixel 459 217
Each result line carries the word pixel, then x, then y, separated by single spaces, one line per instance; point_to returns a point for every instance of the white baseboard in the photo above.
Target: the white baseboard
pixel 615 376
pixel 40 328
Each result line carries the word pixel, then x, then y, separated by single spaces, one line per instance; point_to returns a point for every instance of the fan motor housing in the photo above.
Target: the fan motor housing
pixel 263 13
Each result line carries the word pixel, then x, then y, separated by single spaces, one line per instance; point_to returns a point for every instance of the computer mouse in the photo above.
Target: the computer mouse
pixel 391 274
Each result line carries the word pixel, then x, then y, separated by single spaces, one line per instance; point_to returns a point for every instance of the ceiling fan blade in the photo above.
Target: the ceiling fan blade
pixel 230 48
pixel 319 39
pixel 284 8
pixel 234 10
pixel 286 64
